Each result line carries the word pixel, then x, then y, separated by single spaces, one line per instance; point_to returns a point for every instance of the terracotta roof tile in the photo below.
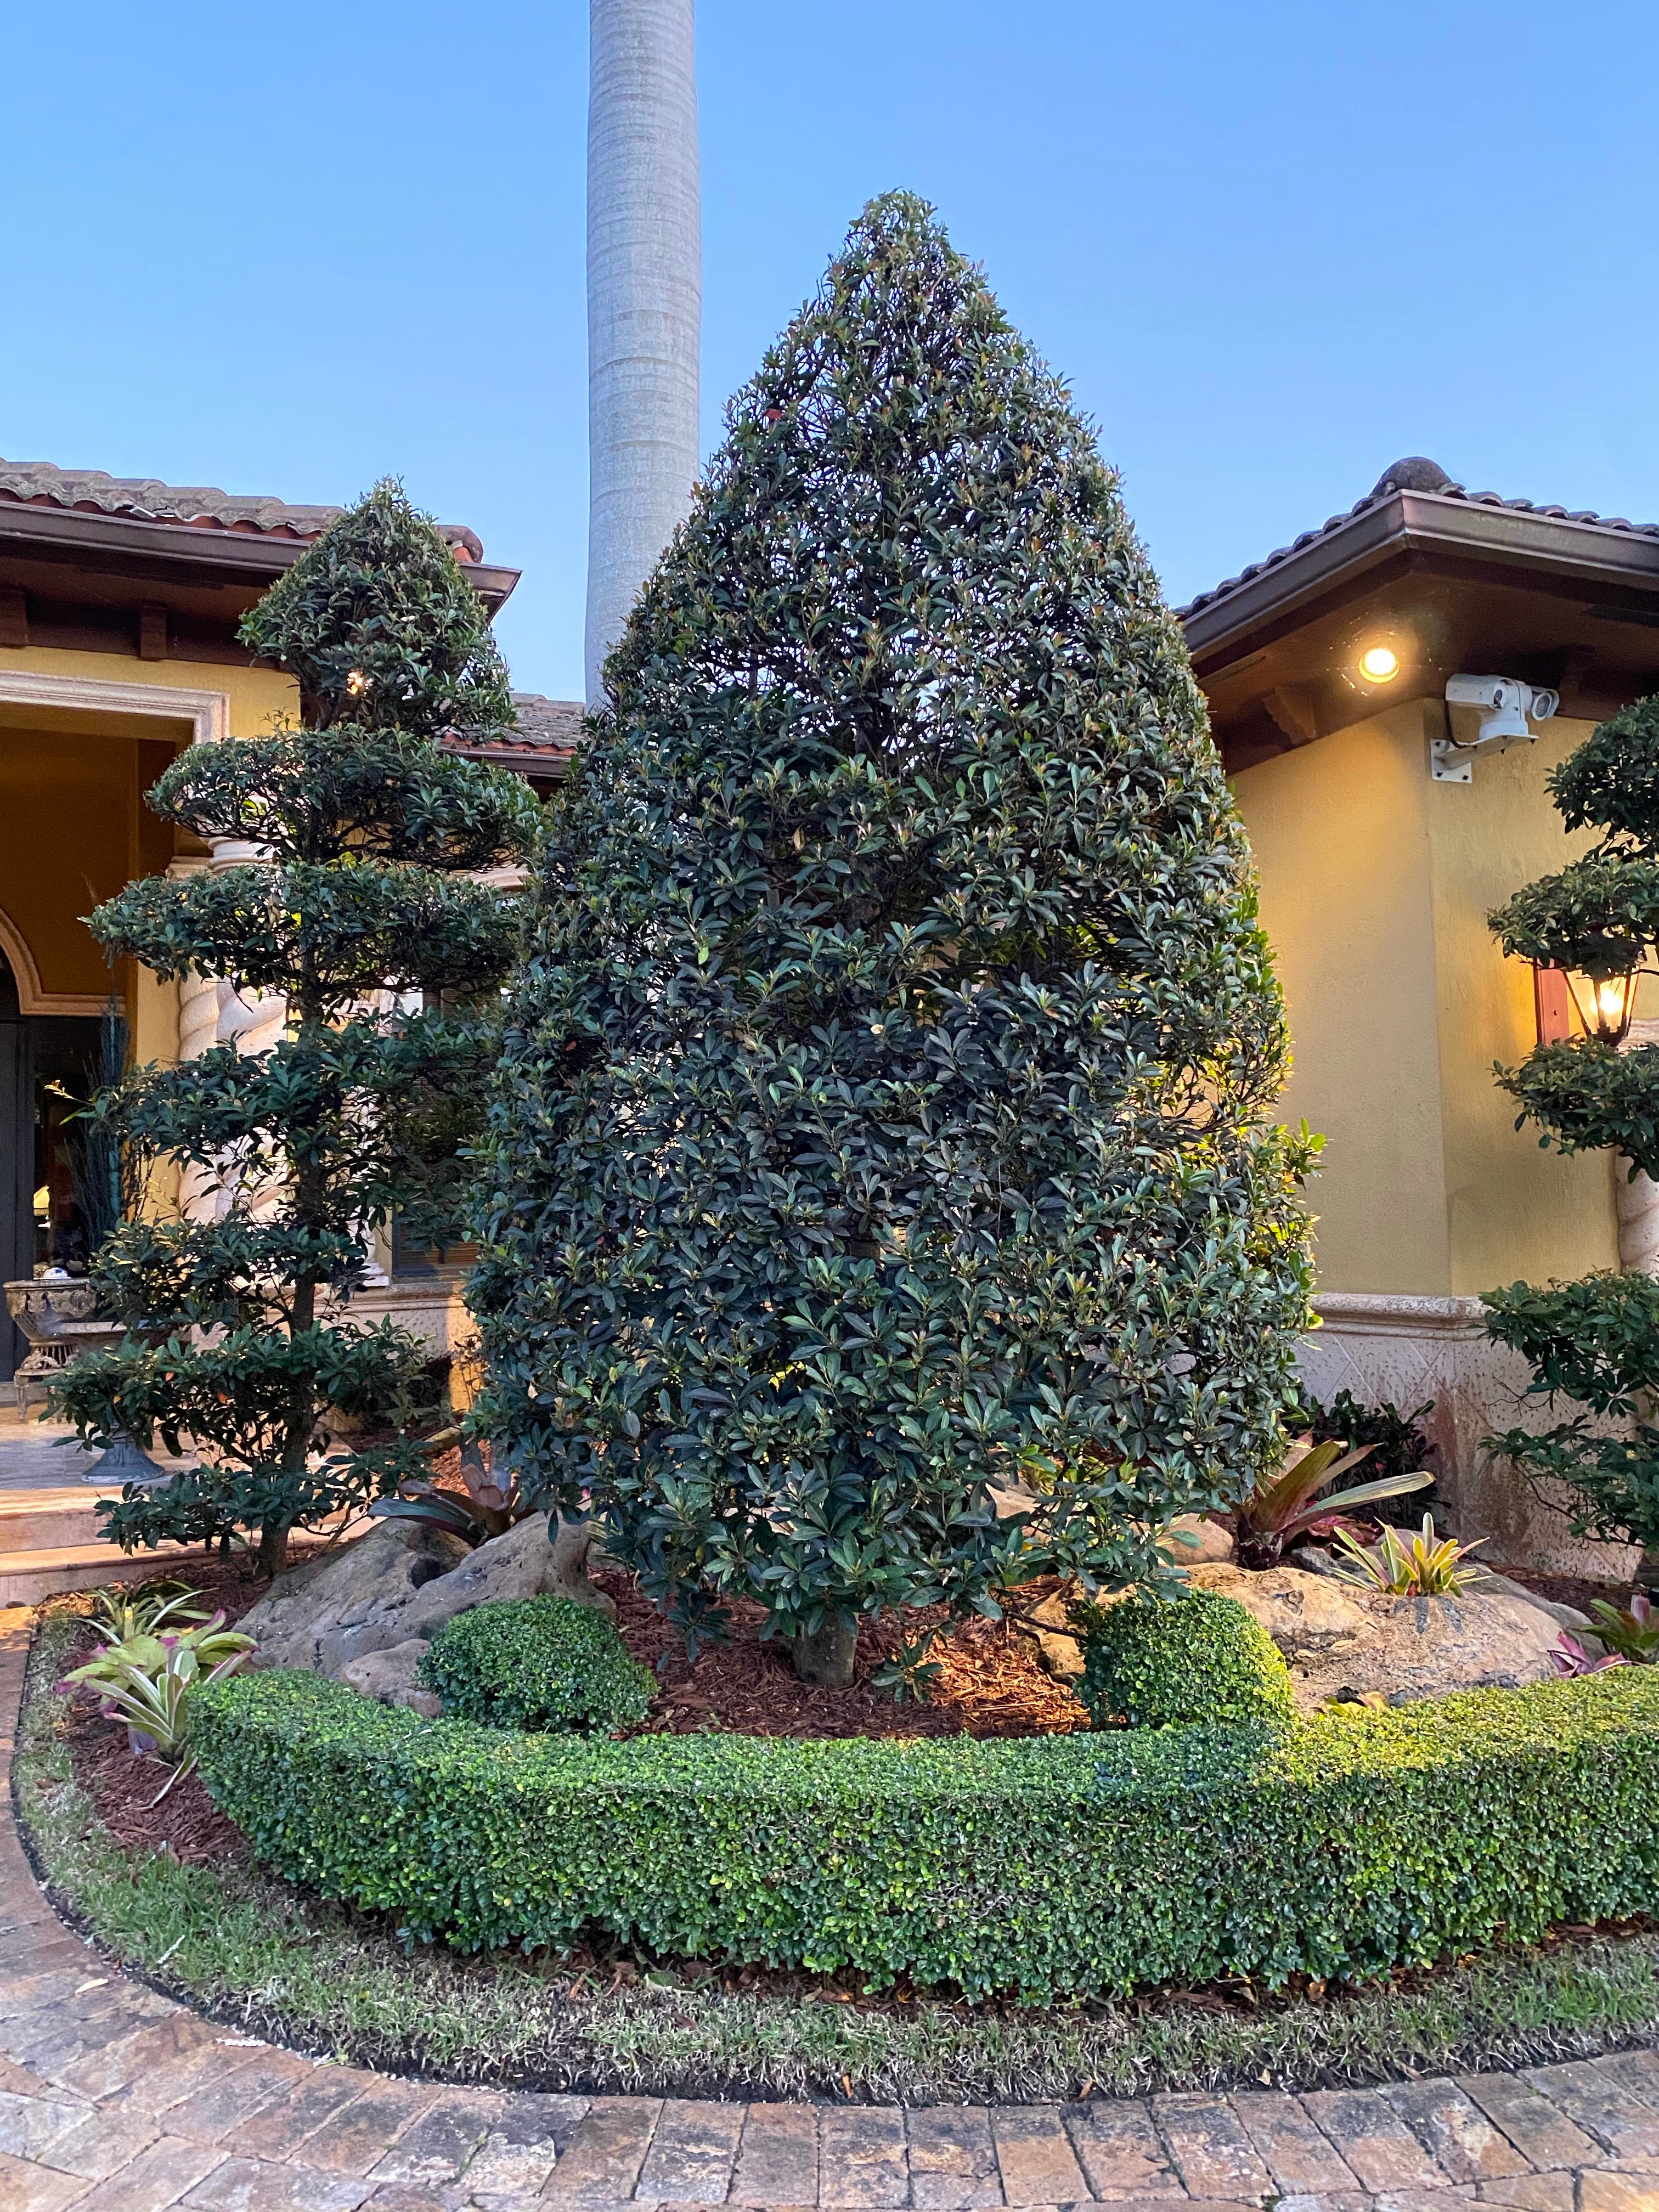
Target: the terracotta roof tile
pixel 197 507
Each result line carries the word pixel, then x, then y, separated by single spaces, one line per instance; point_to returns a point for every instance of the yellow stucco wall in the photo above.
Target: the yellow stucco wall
pixel 1376 884
pixel 1514 1211
pixel 258 696
pixel 1341 844
pixel 73 826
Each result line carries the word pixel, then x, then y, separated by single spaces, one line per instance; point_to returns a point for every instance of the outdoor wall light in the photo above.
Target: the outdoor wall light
pixel 1605 1004
pixel 1379 664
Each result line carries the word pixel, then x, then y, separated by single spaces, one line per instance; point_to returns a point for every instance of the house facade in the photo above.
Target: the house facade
pixel 1384 828
pixel 1385 831
pixel 119 608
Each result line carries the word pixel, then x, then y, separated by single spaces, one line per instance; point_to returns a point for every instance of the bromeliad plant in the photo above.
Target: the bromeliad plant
pixel 1288 1504
pixel 1428 1566
pixel 148 1676
pixel 489 1507
pixel 121 1615
pixel 1631 1630
pixel 1628 1635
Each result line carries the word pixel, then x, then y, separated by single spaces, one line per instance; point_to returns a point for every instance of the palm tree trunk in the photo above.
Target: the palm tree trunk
pixel 644 300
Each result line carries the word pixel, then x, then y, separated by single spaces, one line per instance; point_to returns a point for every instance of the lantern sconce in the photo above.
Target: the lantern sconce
pixel 1603 1006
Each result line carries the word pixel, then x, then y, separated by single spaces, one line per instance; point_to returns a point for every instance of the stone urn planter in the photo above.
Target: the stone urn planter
pixel 58 1316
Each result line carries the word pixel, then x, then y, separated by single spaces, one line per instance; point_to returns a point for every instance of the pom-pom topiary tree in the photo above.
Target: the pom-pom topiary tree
pixel 1594 1341
pixel 882 1115
pixel 369 828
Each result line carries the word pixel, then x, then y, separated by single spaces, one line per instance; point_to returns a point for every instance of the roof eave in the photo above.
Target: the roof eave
pixel 256 557
pixel 1590 554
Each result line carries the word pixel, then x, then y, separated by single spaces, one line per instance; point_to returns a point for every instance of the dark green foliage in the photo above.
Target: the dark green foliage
pixel 370 827
pixel 1595 1341
pixel 1600 915
pixel 883 1104
pixel 1181 1662
pixel 1398 1444
pixel 537 1663
pixel 1588 1097
pixel 384 631
pixel 1053 1865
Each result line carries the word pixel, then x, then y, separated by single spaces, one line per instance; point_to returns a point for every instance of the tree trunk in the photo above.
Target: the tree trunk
pixel 273 1549
pixel 571 1541
pixel 824 1655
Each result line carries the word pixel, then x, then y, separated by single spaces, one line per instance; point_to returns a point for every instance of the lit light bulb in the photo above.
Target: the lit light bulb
pixel 1610 1000
pixel 356 681
pixel 1379 664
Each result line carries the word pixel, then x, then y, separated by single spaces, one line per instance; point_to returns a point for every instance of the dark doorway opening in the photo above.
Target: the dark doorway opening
pixel 48 1065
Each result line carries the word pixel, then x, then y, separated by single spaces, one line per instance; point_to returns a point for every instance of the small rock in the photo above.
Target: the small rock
pixel 1194 1541
pixel 390 1678
pixel 1315 1563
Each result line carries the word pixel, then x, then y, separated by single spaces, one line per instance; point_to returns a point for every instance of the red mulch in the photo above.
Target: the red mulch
pixel 1569 1589
pixel 989 1683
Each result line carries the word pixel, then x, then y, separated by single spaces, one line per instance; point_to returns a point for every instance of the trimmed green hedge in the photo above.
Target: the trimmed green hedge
pixel 537 1663
pixel 1048 1866
pixel 1187 1662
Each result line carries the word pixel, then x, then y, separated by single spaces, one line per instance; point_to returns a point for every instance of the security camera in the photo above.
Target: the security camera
pixel 1505 704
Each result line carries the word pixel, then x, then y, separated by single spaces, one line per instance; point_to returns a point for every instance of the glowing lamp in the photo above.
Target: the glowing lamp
pixel 1604 1005
pixel 1379 664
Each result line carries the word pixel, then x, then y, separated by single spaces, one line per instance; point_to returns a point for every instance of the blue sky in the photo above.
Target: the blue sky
pixel 1272 246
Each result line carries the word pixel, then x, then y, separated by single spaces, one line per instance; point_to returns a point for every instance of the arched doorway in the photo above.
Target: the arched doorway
pixel 48 1067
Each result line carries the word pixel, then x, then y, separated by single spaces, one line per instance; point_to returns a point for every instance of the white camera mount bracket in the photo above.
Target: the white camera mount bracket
pixel 1507 707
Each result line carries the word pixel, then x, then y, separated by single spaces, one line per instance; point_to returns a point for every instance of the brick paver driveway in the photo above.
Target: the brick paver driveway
pixel 112 2099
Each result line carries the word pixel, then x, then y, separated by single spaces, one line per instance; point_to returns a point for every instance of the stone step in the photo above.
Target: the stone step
pixel 48 1520
pixel 28 1574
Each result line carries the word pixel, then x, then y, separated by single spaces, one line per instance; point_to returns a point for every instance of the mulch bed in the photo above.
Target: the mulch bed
pixel 1569 1589
pixel 989 1682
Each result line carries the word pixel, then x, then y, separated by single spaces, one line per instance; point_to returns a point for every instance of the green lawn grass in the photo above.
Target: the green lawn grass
pixel 260 1953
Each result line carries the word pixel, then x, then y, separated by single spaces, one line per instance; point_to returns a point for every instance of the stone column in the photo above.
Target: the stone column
pixel 201 1194
pixel 644 300
pixel 1637 1199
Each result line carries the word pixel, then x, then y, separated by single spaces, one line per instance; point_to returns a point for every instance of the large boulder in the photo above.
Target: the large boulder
pixel 520 1563
pixel 393 1678
pixel 401 1581
pixel 352 1600
pixel 1340 1637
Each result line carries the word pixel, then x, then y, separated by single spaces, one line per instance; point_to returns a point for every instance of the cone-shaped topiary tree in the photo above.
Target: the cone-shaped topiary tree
pixel 371 827
pixel 1594 1341
pixel 882 1111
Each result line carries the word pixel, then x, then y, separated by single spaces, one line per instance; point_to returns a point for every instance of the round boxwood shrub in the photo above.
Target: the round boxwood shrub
pixel 1157 1663
pixel 537 1663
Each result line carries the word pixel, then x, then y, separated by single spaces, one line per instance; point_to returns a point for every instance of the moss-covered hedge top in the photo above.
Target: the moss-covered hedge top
pixel 1343 1846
